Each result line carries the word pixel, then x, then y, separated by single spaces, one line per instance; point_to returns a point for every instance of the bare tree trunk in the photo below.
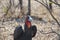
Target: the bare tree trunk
pixel 29 7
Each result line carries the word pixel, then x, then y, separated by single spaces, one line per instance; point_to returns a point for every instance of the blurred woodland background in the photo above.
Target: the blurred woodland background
pixel 45 14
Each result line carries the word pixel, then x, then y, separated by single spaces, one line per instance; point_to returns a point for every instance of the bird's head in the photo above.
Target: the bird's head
pixel 28 21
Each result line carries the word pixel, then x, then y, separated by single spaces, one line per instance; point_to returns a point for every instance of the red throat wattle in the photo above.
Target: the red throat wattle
pixel 28 23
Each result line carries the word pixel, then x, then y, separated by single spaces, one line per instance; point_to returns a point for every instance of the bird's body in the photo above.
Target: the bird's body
pixel 26 34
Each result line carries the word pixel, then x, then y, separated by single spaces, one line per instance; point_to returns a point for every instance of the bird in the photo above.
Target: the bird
pixel 29 30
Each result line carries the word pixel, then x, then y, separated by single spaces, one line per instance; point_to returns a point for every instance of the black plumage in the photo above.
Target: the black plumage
pixel 28 32
pixel 19 34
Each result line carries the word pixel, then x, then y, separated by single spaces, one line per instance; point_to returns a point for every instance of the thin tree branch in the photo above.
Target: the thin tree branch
pixel 56 3
pixel 8 8
pixel 50 11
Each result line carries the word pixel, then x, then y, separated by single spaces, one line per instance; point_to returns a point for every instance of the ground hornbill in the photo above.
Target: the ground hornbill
pixel 28 32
